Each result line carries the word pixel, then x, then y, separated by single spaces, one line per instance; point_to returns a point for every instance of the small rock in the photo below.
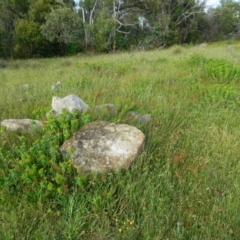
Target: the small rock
pixel 108 107
pixel 20 124
pixel 144 118
pixel 70 103
pixel 137 117
pixel 25 86
pixel 56 85
pixel 22 100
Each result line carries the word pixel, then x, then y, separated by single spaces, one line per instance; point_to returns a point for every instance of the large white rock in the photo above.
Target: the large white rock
pixel 20 124
pixel 70 103
pixel 102 147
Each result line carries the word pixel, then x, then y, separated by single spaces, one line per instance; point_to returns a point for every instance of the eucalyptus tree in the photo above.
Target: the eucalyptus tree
pixel 10 12
pixel 7 19
pixel 128 16
pixel 62 26
pixel 171 21
pixel 20 22
pixel 121 19
pixel 28 39
pixel 225 21
pixel 98 23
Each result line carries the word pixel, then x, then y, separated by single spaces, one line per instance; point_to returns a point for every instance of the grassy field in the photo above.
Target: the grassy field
pixel 186 183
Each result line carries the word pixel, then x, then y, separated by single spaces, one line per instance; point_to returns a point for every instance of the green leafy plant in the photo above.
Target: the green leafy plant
pixel 62 26
pixel 219 70
pixel 37 168
pixel 222 95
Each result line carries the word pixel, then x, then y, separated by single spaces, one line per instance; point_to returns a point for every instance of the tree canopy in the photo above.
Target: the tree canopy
pixel 39 28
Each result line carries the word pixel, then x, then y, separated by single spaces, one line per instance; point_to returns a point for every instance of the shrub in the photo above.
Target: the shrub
pixel 37 168
pixel 28 38
pixel 216 69
pixel 222 95
pixel 3 63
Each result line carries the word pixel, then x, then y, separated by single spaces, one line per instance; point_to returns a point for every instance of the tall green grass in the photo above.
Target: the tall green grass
pixel 185 185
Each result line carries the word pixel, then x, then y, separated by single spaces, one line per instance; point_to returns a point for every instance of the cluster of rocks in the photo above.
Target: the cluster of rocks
pixel 98 146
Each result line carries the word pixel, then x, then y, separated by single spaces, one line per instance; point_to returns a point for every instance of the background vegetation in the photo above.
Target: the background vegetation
pixel 46 28
pixel 185 185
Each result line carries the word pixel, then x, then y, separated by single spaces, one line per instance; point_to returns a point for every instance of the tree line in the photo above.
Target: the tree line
pixel 45 28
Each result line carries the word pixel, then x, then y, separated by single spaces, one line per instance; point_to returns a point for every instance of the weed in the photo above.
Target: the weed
pixel 37 168
pixel 217 70
pixel 222 95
